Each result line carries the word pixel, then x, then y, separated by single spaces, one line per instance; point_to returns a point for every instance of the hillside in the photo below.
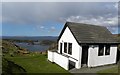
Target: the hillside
pixel 117 36
pixel 15 63
pixel 9 67
pixel 10 48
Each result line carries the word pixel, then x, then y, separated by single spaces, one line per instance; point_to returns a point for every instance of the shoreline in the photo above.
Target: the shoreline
pixel 38 51
pixel 33 48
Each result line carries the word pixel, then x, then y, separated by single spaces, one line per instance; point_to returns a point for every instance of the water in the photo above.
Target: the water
pixel 33 48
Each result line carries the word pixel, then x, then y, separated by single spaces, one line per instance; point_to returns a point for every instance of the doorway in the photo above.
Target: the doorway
pixel 118 56
pixel 84 56
pixel 71 65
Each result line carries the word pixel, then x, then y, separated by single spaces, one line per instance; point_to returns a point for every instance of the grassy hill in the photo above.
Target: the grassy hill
pixel 37 63
pixel 32 63
pixel 9 67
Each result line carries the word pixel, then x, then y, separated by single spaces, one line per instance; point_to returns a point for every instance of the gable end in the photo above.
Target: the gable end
pixel 63 32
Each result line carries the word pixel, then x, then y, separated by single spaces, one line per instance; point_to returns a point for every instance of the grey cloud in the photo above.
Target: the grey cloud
pixel 110 21
pixel 103 13
pixel 36 13
pixel 0 19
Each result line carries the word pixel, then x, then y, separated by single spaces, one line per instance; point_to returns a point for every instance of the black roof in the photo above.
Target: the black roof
pixel 87 33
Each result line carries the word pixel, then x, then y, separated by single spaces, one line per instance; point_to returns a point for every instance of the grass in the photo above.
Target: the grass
pixel 36 63
pixel 9 67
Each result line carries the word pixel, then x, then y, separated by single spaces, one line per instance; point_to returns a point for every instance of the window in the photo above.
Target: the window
pixel 70 48
pixel 107 50
pixel 60 48
pixel 101 50
pixel 65 47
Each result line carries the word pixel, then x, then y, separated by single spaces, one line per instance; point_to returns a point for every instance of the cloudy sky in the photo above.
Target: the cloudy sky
pixel 48 18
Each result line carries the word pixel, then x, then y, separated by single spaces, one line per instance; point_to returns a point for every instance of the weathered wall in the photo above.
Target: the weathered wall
pixel 95 60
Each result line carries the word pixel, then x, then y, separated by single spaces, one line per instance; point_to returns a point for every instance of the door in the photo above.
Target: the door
pixel 118 56
pixel 84 55
pixel 60 48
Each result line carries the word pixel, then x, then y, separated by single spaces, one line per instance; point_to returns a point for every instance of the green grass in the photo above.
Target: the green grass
pixel 9 67
pixel 36 63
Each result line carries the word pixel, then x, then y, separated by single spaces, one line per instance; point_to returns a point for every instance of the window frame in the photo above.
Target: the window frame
pixel 70 48
pixel 107 50
pixel 101 50
pixel 61 47
pixel 65 47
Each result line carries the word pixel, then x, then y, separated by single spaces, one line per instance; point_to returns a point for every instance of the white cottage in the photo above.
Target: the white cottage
pixel 84 45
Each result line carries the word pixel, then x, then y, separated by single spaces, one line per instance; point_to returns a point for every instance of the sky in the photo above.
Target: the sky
pixel 48 18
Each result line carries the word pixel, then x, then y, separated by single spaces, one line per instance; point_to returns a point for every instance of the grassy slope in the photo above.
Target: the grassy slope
pixel 9 67
pixel 32 63
pixel 36 64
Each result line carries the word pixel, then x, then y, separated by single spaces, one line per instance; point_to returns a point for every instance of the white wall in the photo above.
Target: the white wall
pixel 76 49
pixel 61 60
pixel 95 60
pixel 58 59
pixel 50 56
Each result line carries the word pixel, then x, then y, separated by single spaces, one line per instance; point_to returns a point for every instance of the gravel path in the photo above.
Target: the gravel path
pixel 87 71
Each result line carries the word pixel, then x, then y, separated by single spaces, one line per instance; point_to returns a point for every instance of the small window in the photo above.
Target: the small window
pixel 107 50
pixel 65 47
pixel 70 48
pixel 101 50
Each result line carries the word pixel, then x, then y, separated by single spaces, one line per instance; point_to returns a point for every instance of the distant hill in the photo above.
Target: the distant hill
pixel 31 37
pixel 117 36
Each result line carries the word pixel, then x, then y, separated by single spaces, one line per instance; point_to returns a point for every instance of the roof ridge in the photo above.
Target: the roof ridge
pixel 68 23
